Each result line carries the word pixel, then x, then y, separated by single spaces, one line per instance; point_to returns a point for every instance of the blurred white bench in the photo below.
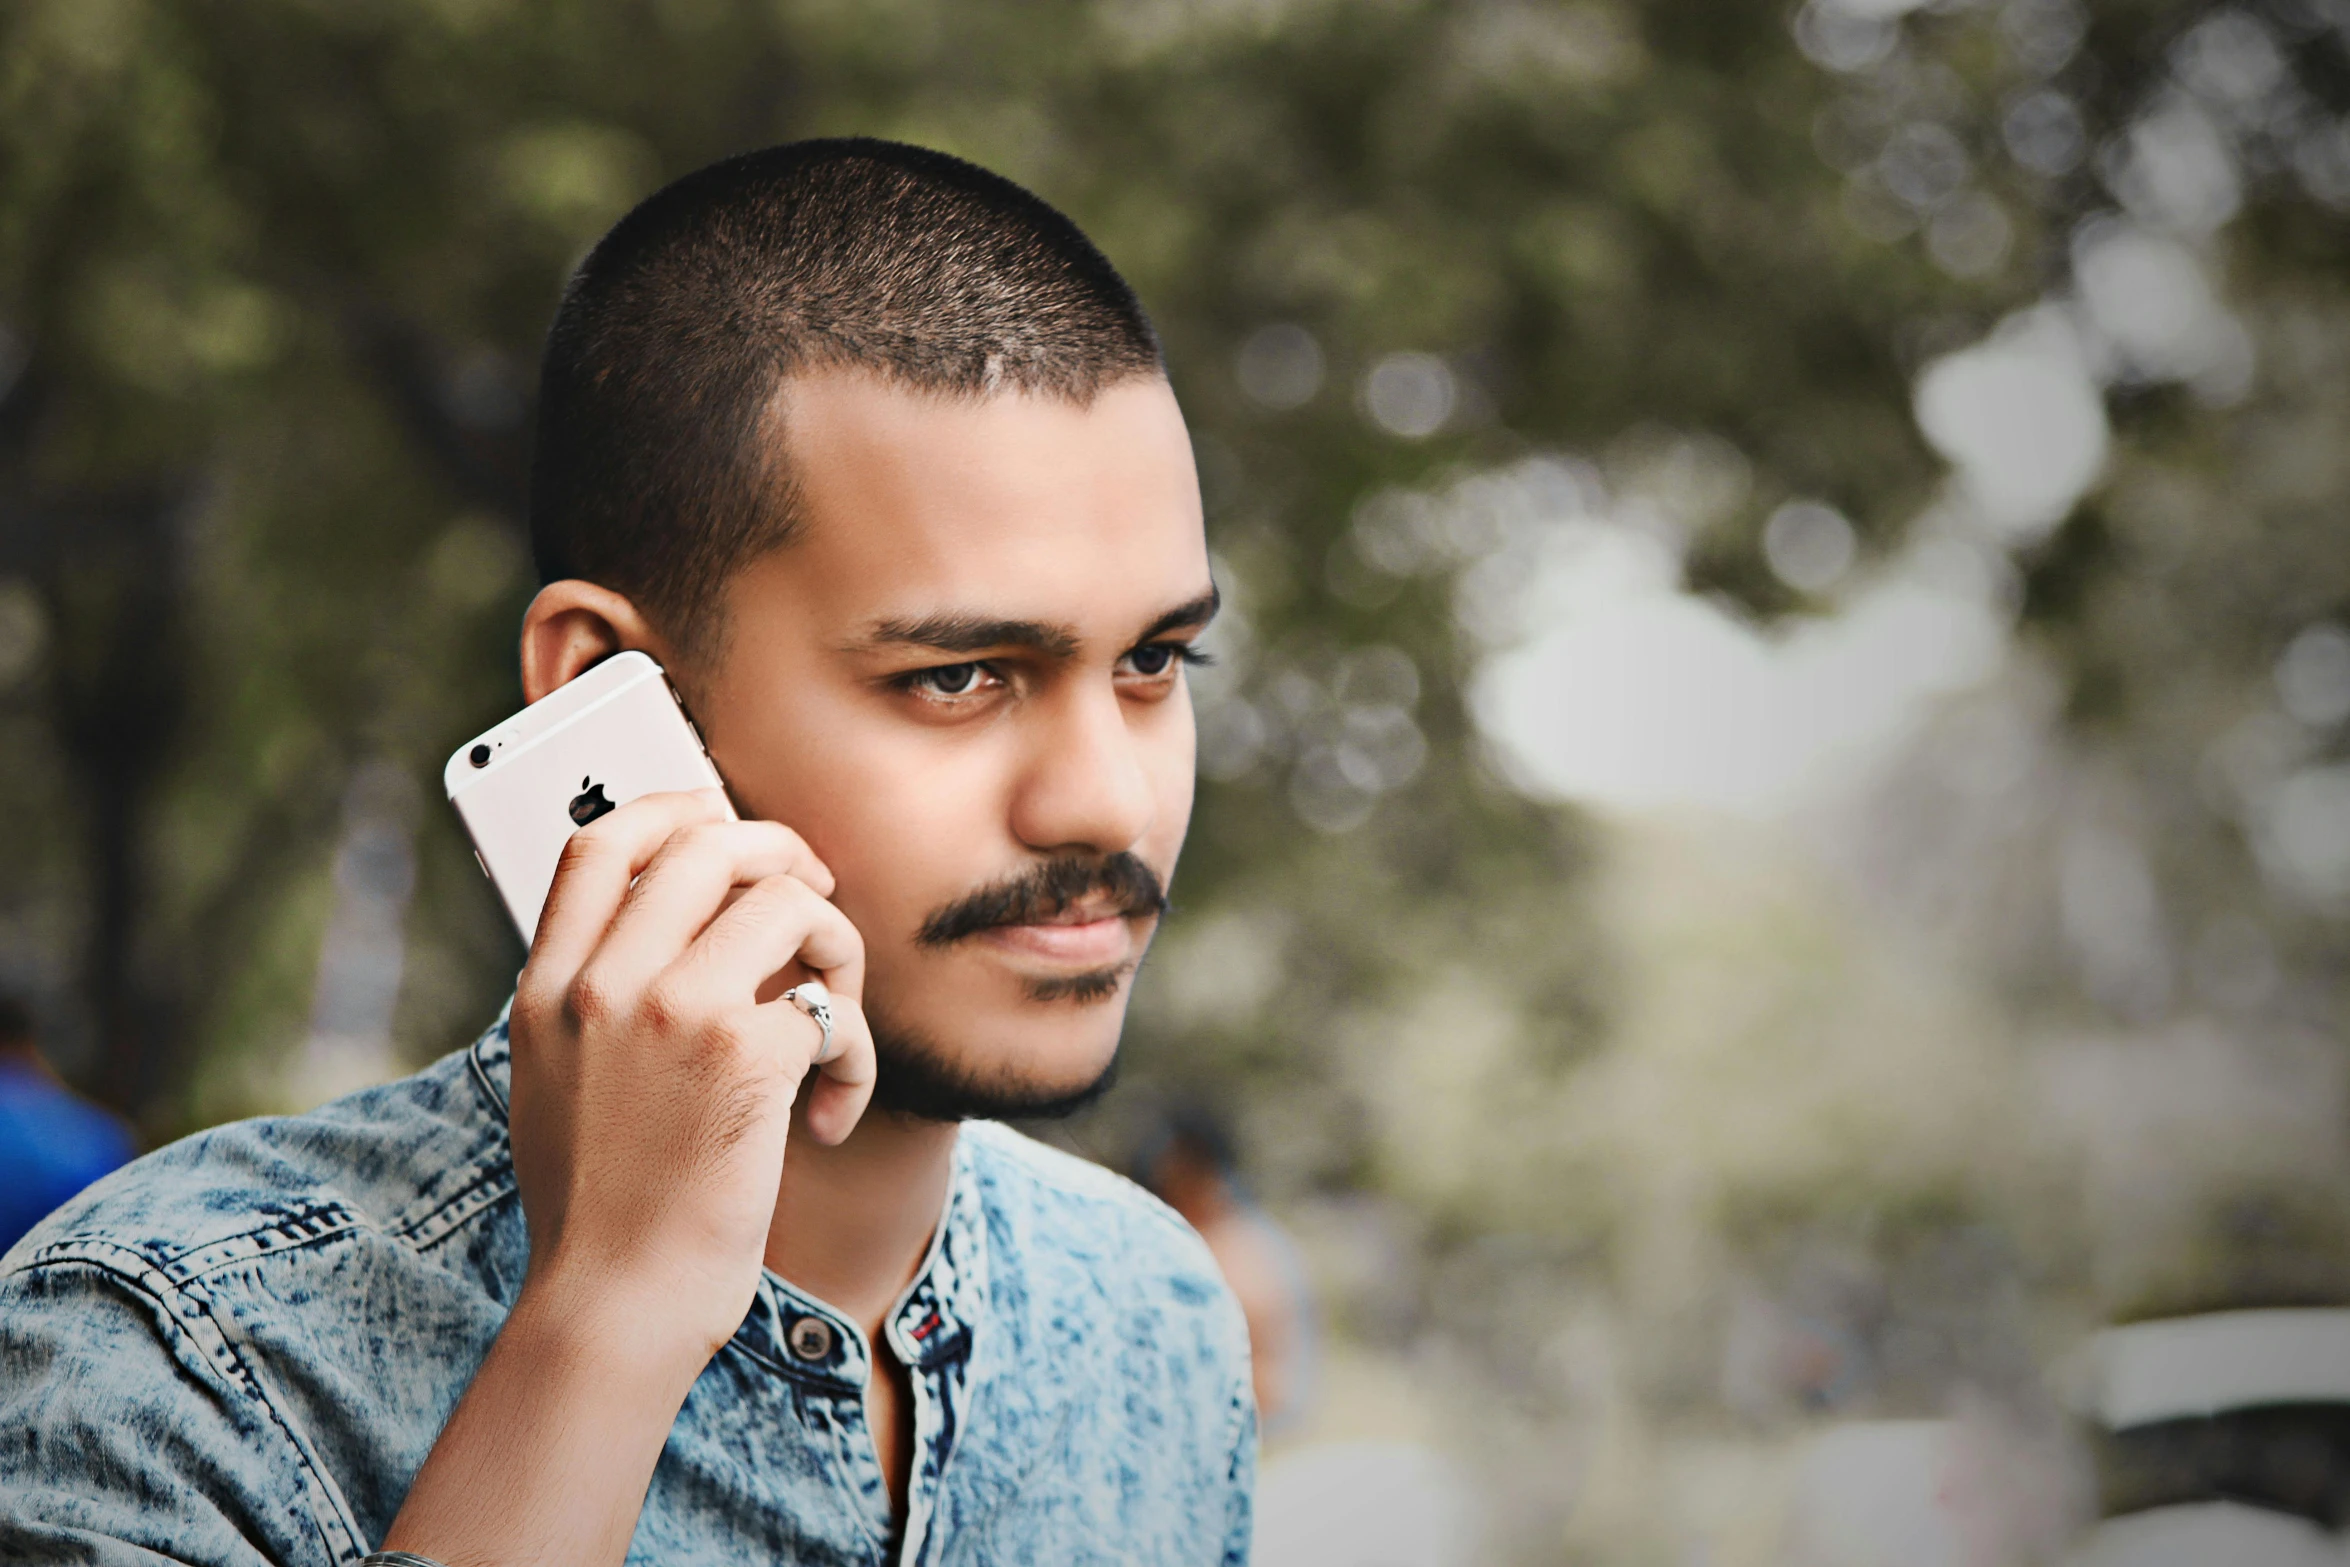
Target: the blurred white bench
pixel 2200 1366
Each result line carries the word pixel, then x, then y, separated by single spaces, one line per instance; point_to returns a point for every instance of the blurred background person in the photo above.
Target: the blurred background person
pixel 53 1142
pixel 1327 1496
pixel 1189 1164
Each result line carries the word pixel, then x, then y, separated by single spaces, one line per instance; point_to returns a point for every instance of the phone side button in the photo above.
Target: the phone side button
pixel 484 864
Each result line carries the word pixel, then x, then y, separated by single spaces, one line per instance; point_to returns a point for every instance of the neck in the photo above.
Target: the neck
pixel 25 1057
pixel 853 1222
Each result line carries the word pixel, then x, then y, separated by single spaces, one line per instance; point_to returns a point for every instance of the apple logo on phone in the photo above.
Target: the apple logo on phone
pixel 589 803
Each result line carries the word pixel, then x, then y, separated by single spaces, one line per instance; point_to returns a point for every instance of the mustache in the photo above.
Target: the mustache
pixel 1045 890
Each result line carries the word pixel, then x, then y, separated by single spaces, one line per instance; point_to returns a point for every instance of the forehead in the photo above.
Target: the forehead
pixel 1014 504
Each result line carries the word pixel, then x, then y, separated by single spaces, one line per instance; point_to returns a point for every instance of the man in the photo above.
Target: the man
pixel 874 452
pixel 53 1142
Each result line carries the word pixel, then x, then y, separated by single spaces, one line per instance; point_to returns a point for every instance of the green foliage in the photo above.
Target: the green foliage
pixel 289 262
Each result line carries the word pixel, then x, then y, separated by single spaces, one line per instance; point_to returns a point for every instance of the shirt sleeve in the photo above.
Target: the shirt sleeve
pixel 1241 1473
pixel 125 1441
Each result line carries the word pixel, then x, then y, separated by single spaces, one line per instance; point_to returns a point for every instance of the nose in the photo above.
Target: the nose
pixel 1085 788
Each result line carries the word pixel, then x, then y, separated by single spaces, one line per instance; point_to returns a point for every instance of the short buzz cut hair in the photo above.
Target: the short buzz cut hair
pixel 658 469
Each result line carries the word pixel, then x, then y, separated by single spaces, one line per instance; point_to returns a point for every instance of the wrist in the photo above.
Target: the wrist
pixel 547 1456
pixel 630 1342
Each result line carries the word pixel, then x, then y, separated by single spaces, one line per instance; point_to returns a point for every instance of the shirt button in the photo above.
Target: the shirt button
pixel 810 1338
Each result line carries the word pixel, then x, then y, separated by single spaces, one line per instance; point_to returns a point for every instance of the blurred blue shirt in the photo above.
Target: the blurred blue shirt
pixel 52 1144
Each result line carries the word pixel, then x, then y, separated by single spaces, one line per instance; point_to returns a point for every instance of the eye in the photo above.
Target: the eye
pixel 948 679
pixel 1154 659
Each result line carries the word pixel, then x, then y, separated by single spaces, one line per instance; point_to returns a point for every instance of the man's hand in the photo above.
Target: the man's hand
pixel 655 1061
pixel 655 1068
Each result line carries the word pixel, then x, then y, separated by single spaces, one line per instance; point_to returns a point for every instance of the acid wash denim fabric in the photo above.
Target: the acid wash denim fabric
pixel 239 1350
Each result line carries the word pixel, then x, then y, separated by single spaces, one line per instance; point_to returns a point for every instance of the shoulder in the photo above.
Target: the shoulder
pixel 209 1351
pixel 1070 1226
pixel 1020 1175
pixel 408 1160
pixel 1114 1369
pixel 43 1118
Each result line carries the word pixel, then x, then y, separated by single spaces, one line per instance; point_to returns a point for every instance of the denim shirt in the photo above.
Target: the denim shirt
pixel 239 1350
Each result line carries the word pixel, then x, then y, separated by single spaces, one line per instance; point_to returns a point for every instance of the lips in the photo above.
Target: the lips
pixel 1091 933
pixel 1086 911
pixel 1068 941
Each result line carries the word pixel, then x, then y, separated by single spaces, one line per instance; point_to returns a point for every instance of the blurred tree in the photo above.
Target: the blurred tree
pixel 2175 179
pixel 292 262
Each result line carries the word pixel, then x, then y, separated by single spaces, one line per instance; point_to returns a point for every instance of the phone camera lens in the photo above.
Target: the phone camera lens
pixel 481 756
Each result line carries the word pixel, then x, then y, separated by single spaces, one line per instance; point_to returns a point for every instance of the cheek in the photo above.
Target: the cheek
pixel 907 823
pixel 1174 766
pixel 903 828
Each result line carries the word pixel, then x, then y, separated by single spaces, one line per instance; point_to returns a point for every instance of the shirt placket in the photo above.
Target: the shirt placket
pixel 930 1332
pixel 821 1350
pixel 933 1344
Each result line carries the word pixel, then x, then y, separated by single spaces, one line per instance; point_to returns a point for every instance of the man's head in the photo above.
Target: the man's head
pixel 873 449
pixel 1188 1162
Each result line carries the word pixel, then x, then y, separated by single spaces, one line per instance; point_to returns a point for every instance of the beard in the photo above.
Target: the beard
pixel 916 1076
pixel 919 1076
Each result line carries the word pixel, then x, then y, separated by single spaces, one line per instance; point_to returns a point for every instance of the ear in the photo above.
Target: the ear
pixel 571 625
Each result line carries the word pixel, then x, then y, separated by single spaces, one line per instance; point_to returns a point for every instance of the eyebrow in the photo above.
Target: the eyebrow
pixel 1185 617
pixel 966 633
pixel 971 633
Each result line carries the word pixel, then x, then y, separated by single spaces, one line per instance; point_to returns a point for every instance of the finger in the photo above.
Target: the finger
pixel 597 865
pixel 687 884
pixel 779 921
pixel 844 1086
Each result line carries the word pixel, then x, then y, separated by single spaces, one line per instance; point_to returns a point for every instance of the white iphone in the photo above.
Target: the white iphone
pixel 611 735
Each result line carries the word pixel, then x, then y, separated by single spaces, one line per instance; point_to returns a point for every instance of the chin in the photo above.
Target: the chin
pixel 1049 1055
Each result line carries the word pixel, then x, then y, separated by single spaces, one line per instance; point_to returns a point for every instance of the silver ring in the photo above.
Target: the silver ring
pixel 813 999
